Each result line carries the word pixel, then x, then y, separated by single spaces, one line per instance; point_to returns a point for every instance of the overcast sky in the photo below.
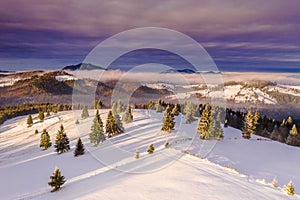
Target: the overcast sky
pixel 239 35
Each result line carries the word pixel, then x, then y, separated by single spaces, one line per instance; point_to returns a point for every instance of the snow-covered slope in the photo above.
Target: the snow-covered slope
pixel 110 170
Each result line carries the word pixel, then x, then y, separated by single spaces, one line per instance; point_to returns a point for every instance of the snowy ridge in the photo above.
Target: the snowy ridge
pixel 116 173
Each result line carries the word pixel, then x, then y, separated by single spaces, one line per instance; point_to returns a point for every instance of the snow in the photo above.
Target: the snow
pixel 110 170
pixel 64 78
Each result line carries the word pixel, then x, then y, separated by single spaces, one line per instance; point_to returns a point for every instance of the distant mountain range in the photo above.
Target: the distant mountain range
pixel 83 66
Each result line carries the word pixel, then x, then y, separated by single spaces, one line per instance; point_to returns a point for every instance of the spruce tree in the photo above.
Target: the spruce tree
pixel 294 130
pixel 205 123
pixel 274 183
pixel 217 128
pixel 29 121
pixel 167 144
pixel 77 122
pixel 97 133
pixel 119 123
pixel 289 188
pixel 79 149
pixel 150 149
pixel 175 111
pixel 190 111
pixel 41 116
pixel 137 154
pixel 159 107
pixel 45 140
pixel 249 126
pixel 85 112
pixel 127 116
pixel 119 107
pixel 36 131
pixel 168 120
pixel 111 127
pixel 56 180
pixel 289 121
pixel 61 141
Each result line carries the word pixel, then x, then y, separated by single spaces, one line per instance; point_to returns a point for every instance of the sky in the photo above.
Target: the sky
pixel 239 35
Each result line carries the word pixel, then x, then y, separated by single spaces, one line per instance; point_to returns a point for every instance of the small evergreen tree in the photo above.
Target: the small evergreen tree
pixel 275 183
pixel 159 107
pixel 190 112
pixel 168 120
pixel 294 130
pixel 119 108
pixel 85 113
pixel 111 127
pixel 97 133
pixel 36 131
pixel 61 141
pixel 48 113
pixel 175 111
pixel 41 116
pixel 150 149
pixel 137 154
pixel 77 122
pixel 249 126
pixel 29 121
pixel 289 188
pixel 226 123
pixel 127 116
pixel 289 121
pixel 56 180
pixel 217 128
pixel 205 123
pixel 167 144
pixel 119 123
pixel 45 140
pixel 79 149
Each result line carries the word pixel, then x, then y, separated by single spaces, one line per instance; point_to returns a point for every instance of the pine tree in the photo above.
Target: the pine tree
pixel 85 112
pixel 119 123
pixel 217 128
pixel 249 126
pixel 150 149
pixel 137 154
pixel 275 183
pixel 205 123
pixel 175 111
pixel 226 123
pixel 57 180
pixel 127 116
pixel 114 108
pixel 45 140
pixel 289 121
pixel 289 189
pixel 48 113
pixel 283 123
pixel 61 141
pixel 41 116
pixel 29 121
pixel 256 118
pixel 36 131
pixel 294 130
pixel 119 107
pixel 159 106
pixel 190 111
pixel 167 144
pixel 97 133
pixel 168 120
pixel 111 127
pixel 79 149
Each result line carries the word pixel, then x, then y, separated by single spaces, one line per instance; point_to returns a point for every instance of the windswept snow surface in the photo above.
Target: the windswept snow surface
pixel 110 170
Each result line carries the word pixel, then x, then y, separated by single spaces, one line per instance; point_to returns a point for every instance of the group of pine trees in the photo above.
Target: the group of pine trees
pixel 113 126
pixel 61 142
pixel 252 123
pixel 209 126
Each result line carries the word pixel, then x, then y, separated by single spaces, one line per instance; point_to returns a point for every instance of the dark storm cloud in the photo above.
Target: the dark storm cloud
pixel 235 33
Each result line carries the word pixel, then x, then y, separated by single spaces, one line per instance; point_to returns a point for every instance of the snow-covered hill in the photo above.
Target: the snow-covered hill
pixel 110 170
